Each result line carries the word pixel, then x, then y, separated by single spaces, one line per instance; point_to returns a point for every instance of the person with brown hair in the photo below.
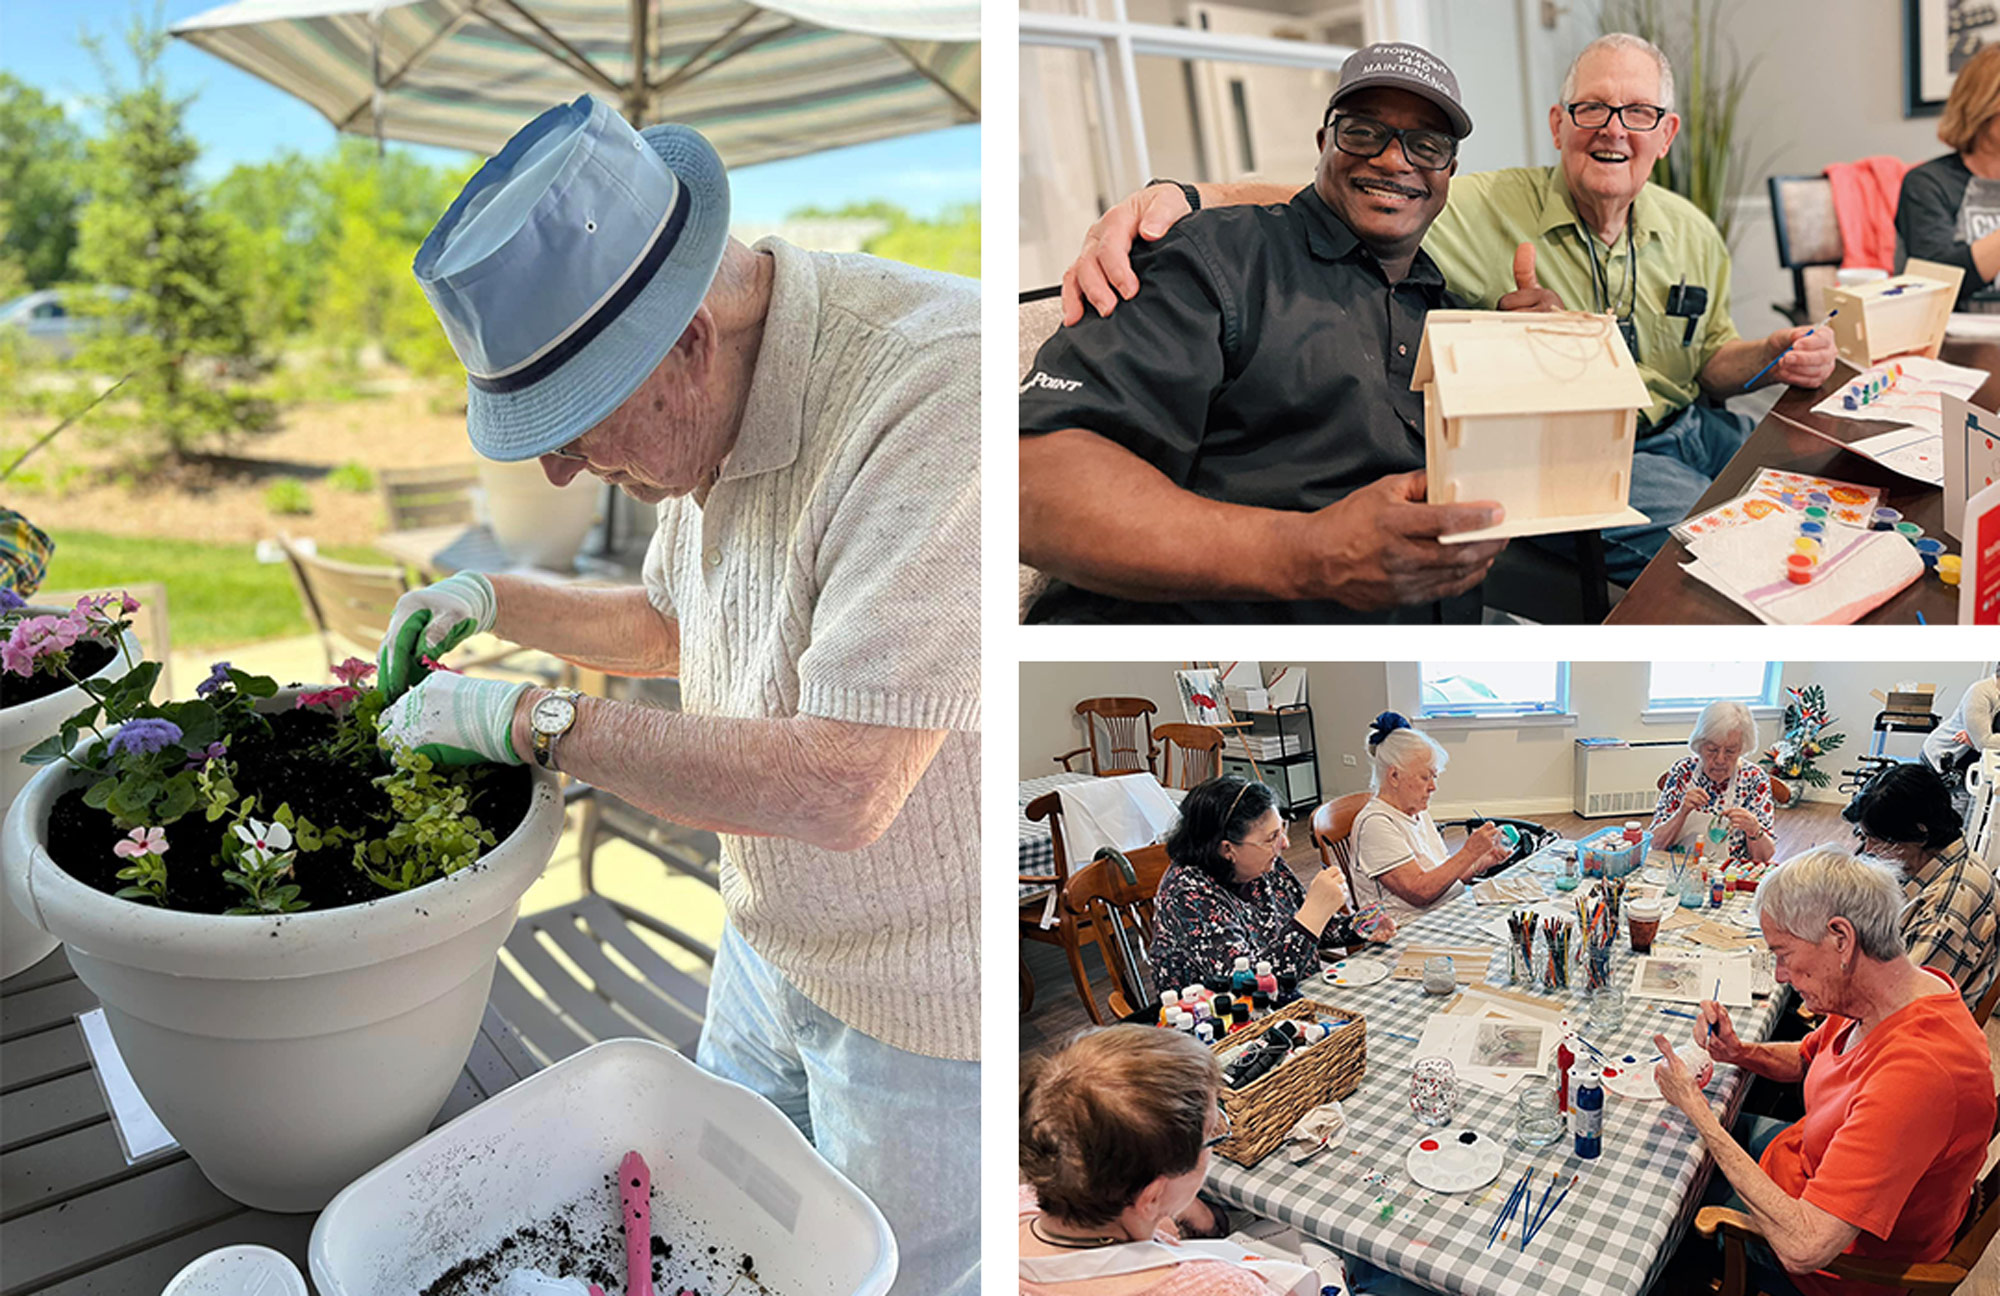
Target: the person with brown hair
pixel 1949 210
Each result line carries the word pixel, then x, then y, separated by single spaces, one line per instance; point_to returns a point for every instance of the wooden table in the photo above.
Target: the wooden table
pixel 74 1217
pixel 1665 595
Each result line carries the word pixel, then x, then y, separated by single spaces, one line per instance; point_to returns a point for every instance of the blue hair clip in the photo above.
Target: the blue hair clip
pixel 1383 725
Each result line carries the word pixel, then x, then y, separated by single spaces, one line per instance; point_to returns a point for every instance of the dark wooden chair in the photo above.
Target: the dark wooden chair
pixel 1119 906
pixel 1982 1219
pixel 1118 733
pixel 1332 832
pixel 1066 931
pixel 1189 754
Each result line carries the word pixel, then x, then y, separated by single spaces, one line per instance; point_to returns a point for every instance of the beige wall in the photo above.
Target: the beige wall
pixel 1527 769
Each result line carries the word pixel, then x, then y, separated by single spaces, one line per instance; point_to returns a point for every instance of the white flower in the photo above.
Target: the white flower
pixel 266 840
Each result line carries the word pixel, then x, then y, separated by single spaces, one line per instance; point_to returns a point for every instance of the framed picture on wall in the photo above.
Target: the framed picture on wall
pixel 1938 37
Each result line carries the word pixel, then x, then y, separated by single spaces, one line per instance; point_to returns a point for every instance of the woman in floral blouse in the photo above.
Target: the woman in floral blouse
pixel 1228 895
pixel 1716 779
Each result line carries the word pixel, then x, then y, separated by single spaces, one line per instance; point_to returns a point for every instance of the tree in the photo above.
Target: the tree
pixel 949 243
pixel 145 229
pixel 40 153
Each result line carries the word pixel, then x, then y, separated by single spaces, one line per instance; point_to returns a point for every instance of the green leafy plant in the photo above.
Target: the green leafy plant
pixel 435 834
pixel 287 496
pixel 264 858
pixel 1709 154
pixel 353 476
pixel 1804 738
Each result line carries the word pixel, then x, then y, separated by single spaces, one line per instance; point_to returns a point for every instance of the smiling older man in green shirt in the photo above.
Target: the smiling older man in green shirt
pixel 1567 237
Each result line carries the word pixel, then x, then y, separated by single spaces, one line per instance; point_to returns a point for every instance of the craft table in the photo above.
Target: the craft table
pixel 1665 595
pixel 1618 1226
pixel 74 1217
pixel 1038 853
pixel 439 551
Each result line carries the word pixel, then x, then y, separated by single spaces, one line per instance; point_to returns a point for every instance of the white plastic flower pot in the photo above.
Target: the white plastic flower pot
pixel 288 1054
pixel 22 943
pixel 729 1172
pixel 536 521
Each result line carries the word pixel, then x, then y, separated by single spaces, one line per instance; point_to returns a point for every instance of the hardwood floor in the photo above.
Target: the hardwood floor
pixel 1058 1014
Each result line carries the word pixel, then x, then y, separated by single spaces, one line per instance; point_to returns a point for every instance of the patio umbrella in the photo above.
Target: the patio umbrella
pixel 763 80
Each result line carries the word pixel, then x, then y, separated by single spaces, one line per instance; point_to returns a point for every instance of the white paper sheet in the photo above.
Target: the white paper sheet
pixel 1687 978
pixel 1915 399
pixel 1912 451
pixel 1858 570
pixel 140 1133
pixel 1459 1039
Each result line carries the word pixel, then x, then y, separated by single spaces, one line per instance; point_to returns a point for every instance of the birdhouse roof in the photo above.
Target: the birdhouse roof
pixel 1512 362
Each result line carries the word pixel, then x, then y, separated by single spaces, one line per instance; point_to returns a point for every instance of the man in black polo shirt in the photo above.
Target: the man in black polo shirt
pixel 1240 441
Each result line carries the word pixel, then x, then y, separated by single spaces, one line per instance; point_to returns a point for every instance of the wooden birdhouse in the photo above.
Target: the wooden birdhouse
pixel 1536 411
pixel 1902 315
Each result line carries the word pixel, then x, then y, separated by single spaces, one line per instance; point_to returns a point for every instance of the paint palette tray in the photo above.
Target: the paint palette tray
pixel 1453 1161
pixel 1630 1075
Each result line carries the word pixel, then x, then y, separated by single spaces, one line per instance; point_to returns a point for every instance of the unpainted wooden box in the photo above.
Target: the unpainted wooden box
pixel 1904 314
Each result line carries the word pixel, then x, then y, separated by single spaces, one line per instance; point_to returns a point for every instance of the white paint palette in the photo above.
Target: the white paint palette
pixel 1356 972
pixel 1453 1161
pixel 1630 1075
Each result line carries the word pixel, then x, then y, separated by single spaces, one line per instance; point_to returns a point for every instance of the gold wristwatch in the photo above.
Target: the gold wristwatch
pixel 550 720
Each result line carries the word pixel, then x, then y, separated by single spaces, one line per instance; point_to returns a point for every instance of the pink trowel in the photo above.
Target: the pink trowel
pixel 635 1195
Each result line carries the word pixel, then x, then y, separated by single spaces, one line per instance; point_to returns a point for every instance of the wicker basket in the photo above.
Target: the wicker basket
pixel 1264 1111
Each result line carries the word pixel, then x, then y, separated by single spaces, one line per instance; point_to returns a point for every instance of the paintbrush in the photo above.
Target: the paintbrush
pixel 1543 1218
pixel 1555 1177
pixel 1788 350
pixel 1507 1211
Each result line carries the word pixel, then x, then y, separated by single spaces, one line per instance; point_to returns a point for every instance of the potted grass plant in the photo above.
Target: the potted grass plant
pixel 49 657
pixel 292 930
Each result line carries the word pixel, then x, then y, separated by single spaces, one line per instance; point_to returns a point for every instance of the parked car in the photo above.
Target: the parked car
pixel 55 321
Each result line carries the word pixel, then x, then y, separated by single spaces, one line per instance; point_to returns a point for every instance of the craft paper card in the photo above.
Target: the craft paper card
pixel 1914 452
pixel 1914 399
pixel 1979 585
pixel 1507 891
pixel 1971 459
pixel 1691 978
pixel 1775 492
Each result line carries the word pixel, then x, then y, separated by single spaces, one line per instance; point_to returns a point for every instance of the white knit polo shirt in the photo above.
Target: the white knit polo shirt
pixel 834 572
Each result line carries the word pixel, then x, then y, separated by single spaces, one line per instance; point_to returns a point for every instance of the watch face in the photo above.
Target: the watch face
pixel 553 714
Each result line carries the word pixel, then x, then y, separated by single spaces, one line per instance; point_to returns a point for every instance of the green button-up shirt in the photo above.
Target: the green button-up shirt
pixel 1492 212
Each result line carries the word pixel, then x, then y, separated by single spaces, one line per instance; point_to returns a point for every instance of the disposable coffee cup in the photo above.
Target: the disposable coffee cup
pixel 1643 919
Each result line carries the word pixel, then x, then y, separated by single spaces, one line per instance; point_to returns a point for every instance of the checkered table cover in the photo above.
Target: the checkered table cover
pixel 1038 853
pixel 1612 1234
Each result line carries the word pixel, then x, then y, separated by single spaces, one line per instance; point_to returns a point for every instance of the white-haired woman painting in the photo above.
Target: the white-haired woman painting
pixel 1716 778
pixel 1400 859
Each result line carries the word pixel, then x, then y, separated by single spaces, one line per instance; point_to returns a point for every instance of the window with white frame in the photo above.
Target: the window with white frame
pixel 1117 92
pixel 1690 686
pixel 1474 690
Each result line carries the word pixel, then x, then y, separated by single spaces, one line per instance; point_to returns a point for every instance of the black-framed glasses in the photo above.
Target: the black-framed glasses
pixel 1591 115
pixel 1364 137
pixel 1224 1136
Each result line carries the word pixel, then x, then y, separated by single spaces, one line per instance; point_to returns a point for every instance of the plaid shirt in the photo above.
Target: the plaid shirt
pixel 1949 923
pixel 24 553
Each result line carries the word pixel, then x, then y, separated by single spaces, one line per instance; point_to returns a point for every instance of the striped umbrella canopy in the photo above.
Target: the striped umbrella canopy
pixel 762 81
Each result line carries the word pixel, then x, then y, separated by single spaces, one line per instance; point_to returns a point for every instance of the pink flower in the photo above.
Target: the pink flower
pixel 141 842
pixel 334 698
pixel 354 671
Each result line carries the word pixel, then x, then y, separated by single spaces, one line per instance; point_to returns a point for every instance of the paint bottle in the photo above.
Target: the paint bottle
pixel 1718 887
pixel 1193 1004
pixel 1204 1031
pixel 1241 979
pixel 1219 1009
pixel 1565 1057
pixel 1265 981
pixel 1176 1019
pixel 1260 1003
pixel 1732 878
pixel 1169 1001
pixel 1586 1117
pixel 1632 830
pixel 1239 1017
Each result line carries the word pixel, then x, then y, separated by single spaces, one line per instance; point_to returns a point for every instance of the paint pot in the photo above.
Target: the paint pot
pixel 1169 1003
pixel 1806 545
pixel 1265 981
pixel 1816 513
pixel 1798 568
pixel 1884 519
pixel 1910 531
pixel 1586 1109
pixel 1817 530
pixel 1632 830
pixel 1820 498
pixel 1241 979
pixel 1643 917
pixel 1930 550
pixel 1948 568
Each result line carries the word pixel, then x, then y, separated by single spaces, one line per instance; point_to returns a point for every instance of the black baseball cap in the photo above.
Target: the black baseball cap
pixel 1402 66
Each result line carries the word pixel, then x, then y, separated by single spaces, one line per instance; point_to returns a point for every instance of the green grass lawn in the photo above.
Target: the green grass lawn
pixel 218 595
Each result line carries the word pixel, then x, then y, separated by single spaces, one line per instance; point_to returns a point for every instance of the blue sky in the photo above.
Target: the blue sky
pixel 238 118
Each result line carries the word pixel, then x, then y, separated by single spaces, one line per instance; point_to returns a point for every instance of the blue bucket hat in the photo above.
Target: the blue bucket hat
pixel 569 267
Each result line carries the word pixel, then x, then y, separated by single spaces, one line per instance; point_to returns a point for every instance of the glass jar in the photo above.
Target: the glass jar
pixel 1604 1013
pixel 1439 976
pixel 1434 1090
pixel 1537 1120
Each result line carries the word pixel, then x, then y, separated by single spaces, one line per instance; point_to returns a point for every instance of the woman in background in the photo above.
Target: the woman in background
pixel 1949 210
pixel 1715 779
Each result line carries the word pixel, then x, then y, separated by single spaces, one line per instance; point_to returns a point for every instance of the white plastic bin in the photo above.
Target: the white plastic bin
pixel 729 1171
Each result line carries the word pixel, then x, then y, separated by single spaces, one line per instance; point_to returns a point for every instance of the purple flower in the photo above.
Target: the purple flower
pixel 218 677
pixel 214 751
pixel 10 601
pixel 144 737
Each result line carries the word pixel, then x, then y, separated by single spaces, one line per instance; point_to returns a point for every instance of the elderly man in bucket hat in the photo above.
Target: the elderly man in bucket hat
pixel 807 424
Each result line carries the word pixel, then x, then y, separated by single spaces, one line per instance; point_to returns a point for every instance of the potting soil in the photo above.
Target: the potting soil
pixel 85 660
pixel 584 1239
pixel 284 767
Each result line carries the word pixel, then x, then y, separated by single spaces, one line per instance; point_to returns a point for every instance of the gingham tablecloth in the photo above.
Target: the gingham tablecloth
pixel 1615 1230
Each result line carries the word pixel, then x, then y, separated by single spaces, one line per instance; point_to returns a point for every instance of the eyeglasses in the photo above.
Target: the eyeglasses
pixel 1223 1114
pixel 1635 117
pixel 1364 137
pixel 568 451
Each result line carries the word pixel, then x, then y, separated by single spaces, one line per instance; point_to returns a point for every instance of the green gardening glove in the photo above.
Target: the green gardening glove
pixel 430 622
pixel 456 719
